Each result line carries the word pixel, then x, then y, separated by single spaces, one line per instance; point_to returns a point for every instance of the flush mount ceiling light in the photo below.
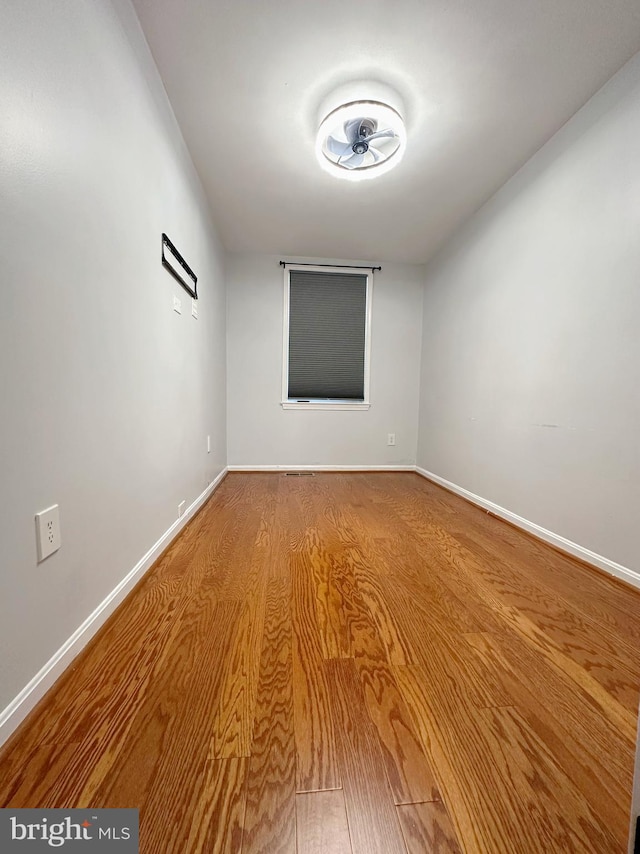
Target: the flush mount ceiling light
pixel 361 139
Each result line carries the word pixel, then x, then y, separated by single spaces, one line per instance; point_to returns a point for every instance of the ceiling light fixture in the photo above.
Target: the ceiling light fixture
pixel 361 139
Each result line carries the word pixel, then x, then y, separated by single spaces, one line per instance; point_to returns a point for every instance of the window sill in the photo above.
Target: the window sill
pixel 294 404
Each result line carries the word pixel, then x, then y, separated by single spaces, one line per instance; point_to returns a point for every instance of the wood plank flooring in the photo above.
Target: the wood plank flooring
pixel 350 664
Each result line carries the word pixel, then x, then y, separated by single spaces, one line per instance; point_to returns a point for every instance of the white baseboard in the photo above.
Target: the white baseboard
pixel 609 566
pixel 294 467
pixel 19 708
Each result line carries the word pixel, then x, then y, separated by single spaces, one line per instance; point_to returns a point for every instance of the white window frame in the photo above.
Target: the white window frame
pixel 288 403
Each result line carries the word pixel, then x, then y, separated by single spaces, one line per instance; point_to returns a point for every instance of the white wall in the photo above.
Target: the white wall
pixel 106 395
pixel 531 354
pixel 261 432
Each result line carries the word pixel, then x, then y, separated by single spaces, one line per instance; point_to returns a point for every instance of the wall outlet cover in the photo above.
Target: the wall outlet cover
pixel 181 508
pixel 48 532
pixel 177 305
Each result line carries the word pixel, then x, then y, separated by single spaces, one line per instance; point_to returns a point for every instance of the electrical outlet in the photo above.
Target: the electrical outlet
pixel 391 438
pixel 48 532
pixel 194 309
pixel 181 507
pixel 208 444
pixel 177 305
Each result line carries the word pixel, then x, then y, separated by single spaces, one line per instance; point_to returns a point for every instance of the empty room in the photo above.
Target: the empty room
pixel 320 415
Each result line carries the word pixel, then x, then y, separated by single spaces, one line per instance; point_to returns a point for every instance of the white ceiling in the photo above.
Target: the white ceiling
pixel 484 82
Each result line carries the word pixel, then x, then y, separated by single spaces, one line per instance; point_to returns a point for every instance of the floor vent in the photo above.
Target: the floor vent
pixel 299 474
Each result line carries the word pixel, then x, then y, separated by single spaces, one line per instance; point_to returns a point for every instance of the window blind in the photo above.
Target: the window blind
pixel 327 329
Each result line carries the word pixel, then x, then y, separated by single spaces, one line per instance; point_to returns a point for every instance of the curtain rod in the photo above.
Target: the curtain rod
pixel 343 266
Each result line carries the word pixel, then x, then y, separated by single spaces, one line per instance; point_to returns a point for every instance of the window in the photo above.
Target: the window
pixel 326 338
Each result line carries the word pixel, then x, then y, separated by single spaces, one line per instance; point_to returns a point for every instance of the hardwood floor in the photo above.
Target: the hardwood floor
pixel 350 664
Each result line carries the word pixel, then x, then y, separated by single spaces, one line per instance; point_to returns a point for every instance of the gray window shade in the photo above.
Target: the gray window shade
pixel 327 327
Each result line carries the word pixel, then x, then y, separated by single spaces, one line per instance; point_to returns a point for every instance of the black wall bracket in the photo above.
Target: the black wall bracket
pixel 178 267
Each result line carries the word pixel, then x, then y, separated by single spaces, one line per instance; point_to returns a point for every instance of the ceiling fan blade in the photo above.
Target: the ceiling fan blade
pixel 375 154
pixel 352 162
pixel 351 129
pixel 336 146
pixel 381 134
